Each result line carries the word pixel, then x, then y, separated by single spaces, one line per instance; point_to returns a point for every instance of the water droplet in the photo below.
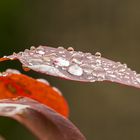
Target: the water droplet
pixel 32 48
pixel 98 55
pixel 99 72
pixel 26 50
pixel 14 53
pixel 12 71
pixel 57 90
pixel 138 78
pixel 77 60
pixel 75 70
pixel 125 65
pixel 35 61
pixel 98 62
pixel 70 49
pixel 88 71
pixel 121 68
pixel 25 68
pixel 41 52
pixel 47 58
pixel 60 47
pixel 20 53
pixel 43 81
pixel 61 62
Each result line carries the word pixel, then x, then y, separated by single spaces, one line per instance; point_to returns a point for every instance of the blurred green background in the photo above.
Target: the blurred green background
pixel 102 111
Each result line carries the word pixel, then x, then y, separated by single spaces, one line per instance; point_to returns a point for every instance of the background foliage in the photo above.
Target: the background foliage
pixel 102 111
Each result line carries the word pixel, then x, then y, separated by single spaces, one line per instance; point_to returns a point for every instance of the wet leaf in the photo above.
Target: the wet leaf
pixel 75 65
pixel 45 123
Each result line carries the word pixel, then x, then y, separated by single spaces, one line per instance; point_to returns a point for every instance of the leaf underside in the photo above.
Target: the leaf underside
pixel 45 123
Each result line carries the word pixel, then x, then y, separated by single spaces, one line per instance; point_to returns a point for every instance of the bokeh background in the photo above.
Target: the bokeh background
pixel 102 111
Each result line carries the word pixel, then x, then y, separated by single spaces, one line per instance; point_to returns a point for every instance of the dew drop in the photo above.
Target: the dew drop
pixel 26 50
pixel 60 47
pixel 77 60
pixel 43 81
pixel 57 90
pixel 32 48
pixel 35 61
pixel 99 72
pixel 125 65
pixel 138 78
pixel 88 71
pixel 61 62
pixel 98 55
pixel 25 68
pixel 13 71
pixel 41 52
pixel 47 58
pixel 70 49
pixel 75 70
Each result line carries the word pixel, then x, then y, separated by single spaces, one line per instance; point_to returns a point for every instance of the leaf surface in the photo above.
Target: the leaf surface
pixel 75 65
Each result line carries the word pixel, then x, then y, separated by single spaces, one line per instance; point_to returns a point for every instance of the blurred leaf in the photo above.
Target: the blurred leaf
pixel 45 123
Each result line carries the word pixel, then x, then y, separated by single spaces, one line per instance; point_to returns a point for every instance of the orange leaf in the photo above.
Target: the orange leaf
pixel 19 85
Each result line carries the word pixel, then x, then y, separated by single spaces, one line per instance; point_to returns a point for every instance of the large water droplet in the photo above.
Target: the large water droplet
pixel 61 62
pixel 75 70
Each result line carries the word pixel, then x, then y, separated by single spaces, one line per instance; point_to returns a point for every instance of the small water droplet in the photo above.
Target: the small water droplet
pixel 43 81
pixel 41 52
pixel 12 71
pixel 99 72
pixel 32 48
pixel 35 61
pixel 121 68
pixel 14 53
pixel 25 68
pixel 125 65
pixel 60 47
pixel 70 49
pixel 138 78
pixel 88 71
pixel 47 58
pixel 75 70
pixel 98 62
pixel 20 53
pixel 77 60
pixel 57 90
pixel 26 50
pixel 98 55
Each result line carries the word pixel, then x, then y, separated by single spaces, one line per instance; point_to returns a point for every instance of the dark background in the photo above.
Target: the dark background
pixel 102 111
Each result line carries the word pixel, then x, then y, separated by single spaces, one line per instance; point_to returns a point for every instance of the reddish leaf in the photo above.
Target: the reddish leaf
pixel 75 65
pixel 45 123
pixel 19 85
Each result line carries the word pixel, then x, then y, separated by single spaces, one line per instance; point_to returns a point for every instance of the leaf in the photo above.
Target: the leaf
pixel 45 123
pixel 75 65
pixel 15 85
